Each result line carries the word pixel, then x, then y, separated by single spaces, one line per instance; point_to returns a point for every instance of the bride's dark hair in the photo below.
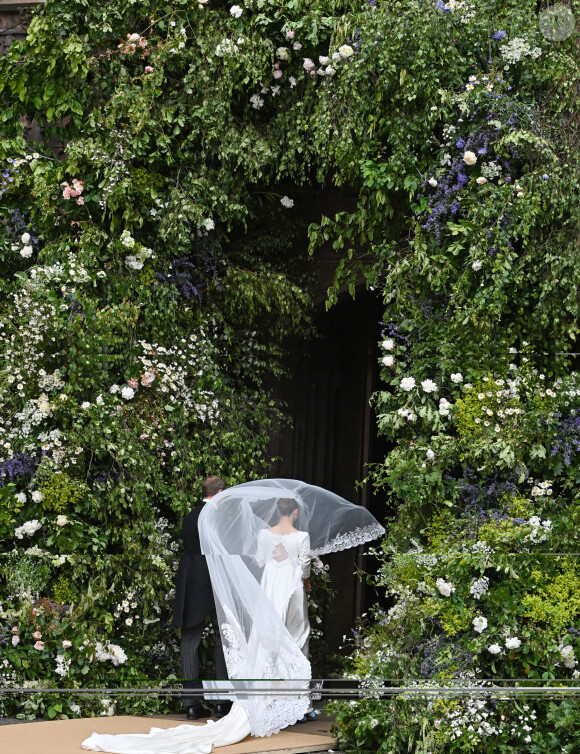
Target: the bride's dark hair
pixel 286 505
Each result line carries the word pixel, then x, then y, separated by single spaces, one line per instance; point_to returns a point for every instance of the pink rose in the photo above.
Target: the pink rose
pixel 39 645
pixel 142 42
pixel 15 640
pixel 144 436
pixel 66 644
pixel 133 383
pixel 14 629
pixel 80 200
pixel 67 192
pixel 277 74
pixel 63 184
pixel 290 34
pixel 133 37
pixel 37 635
pixel 149 69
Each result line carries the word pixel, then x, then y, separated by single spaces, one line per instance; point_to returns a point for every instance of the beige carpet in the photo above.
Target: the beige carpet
pixel 65 736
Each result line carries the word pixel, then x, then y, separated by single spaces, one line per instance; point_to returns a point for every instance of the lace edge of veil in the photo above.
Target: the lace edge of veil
pixel 351 539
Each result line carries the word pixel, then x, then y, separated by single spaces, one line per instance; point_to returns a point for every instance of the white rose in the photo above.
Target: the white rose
pixel 15 640
pixel 127 393
pixel 469 158
pixel 282 53
pixel 308 64
pixel 457 377
pixel 513 643
pixel 329 70
pixel 26 252
pixel 85 404
pixel 345 51
pixel 432 182
pixel 37 496
pixel 407 383
pixel 285 201
pixel 25 238
pixel 476 266
pixel 481 180
pixel 114 389
pixel 236 11
pixel 297 46
pixel 389 344
pixel 388 361
pixel 479 623
pixel 430 454
pixel 323 60
pixel 208 223
pixel 445 587
pixel 429 386
pixel 61 520
pixel 495 649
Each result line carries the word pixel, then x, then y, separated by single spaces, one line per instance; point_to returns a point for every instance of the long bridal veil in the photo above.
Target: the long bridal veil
pixel 261 655
pixel 269 676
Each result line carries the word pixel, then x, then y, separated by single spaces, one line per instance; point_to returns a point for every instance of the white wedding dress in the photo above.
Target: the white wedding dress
pixel 256 576
pixel 286 562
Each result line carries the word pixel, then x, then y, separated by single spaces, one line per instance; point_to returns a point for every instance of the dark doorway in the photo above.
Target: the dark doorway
pixel 333 437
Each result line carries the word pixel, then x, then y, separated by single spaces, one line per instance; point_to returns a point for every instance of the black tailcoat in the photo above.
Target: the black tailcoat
pixel 193 593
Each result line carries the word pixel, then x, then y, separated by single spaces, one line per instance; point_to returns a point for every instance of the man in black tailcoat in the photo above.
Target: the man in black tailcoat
pixel 194 601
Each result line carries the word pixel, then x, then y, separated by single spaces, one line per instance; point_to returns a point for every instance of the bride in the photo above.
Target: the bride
pixel 258 539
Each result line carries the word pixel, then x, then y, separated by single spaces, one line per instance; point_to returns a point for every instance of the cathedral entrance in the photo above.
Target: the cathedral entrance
pixel 333 436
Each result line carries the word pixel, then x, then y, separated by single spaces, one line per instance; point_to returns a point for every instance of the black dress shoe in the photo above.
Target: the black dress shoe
pixel 194 713
pixel 222 708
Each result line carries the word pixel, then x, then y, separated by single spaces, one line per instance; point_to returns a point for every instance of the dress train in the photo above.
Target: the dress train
pixel 183 739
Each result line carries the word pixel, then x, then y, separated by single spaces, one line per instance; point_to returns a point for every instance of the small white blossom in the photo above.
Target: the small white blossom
pixel 476 266
pixel 457 378
pixel 285 201
pixel 236 11
pixel 432 182
pixel 208 223
pixel 430 455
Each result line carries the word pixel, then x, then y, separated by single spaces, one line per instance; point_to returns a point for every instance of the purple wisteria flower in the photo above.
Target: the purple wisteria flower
pixel 499 34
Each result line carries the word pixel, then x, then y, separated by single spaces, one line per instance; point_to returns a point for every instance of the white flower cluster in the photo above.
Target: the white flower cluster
pixel 479 587
pixel 125 606
pixel 542 488
pixel 108 651
pixel 26 250
pixel 471 719
pixel 516 49
pixel 446 588
pixel 62 665
pixel 540 530
pixel 142 253
pixel 407 414
pixel 28 528
pixel 491 170
pixel 226 47
pixel 444 407
pixel 567 655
